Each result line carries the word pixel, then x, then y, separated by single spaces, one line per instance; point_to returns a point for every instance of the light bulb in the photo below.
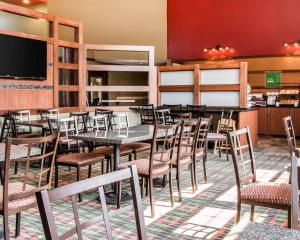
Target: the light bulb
pixel 286 44
pixel 26 1
pixel 205 50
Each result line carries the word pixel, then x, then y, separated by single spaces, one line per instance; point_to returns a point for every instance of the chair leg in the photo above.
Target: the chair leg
pixel 289 217
pixel 192 177
pixel 164 182
pixel 194 164
pixel 171 188
pixel 78 179
pixel 135 155
pixel 102 167
pixel 142 187
pixel 151 197
pixel 147 187
pixel 238 216
pixel 220 144
pixel 90 171
pixel 16 167
pixel 204 169
pixel 56 175
pixel 227 155
pixel 252 213
pixel 18 224
pixel 119 191
pixel 130 157
pixel 6 226
pixel 178 185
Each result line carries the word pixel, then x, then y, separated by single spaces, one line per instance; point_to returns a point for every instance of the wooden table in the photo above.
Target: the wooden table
pixel 261 231
pixel 18 151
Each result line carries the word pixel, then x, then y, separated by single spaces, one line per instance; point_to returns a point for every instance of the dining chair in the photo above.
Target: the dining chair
pixel 184 153
pixel 249 190
pixel 295 192
pixel 108 114
pixel 201 146
pixel 81 118
pixel 46 200
pixel 70 154
pixel 197 110
pixel 225 124
pixel 290 135
pixel 22 116
pixel 160 161
pixel 147 114
pixel 162 116
pixel 17 193
pixel 49 113
pixel 135 147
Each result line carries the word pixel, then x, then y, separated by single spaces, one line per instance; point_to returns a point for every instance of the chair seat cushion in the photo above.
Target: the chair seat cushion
pixel 109 151
pixel 158 168
pixel 216 137
pixel 137 146
pixel 80 159
pixel 270 193
pixel 22 204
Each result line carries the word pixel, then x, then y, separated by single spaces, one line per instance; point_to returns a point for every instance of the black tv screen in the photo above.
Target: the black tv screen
pixel 22 58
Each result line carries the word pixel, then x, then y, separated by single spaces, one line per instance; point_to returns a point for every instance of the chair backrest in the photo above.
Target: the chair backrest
pixel 202 132
pixel 28 181
pixel 147 114
pixel 81 118
pixel 162 116
pixel 164 136
pixel 225 123
pixel 197 110
pixel 46 198
pixel 66 127
pixel 240 158
pixel 9 128
pixel 22 116
pixel 108 114
pixel 187 139
pixel 97 123
pixel 120 120
pixel 295 192
pixel 173 107
pixel 49 113
pixel 290 134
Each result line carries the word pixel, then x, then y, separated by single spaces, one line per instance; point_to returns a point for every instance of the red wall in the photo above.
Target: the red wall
pixel 251 27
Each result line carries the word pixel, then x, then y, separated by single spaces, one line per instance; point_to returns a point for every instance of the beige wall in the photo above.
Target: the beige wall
pixel 134 22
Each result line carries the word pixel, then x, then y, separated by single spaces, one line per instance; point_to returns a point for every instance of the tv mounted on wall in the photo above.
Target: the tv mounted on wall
pixel 22 58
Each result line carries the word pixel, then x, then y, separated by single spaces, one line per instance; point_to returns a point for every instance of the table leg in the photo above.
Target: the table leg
pixel 112 197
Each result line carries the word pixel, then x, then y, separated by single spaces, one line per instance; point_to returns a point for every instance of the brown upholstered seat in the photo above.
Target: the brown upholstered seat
pixel 270 193
pixel 80 159
pixel 17 188
pixel 158 168
pixel 109 151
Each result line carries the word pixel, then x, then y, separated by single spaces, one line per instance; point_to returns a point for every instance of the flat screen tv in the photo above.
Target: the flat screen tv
pixel 22 58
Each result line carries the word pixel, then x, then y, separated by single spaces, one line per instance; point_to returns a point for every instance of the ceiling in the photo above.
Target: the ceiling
pixel 21 2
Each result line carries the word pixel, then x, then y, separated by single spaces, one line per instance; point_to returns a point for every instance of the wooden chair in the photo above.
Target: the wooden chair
pixel 290 135
pixel 295 193
pixel 147 114
pixel 47 198
pixel 49 113
pixel 17 193
pixel 185 152
pixel 249 191
pixel 108 114
pixel 72 157
pixel 160 161
pixel 197 110
pixel 162 116
pixel 225 125
pixel 121 121
pixel 201 146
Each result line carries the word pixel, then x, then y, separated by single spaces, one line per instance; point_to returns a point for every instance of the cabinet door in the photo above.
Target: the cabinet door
pixel 295 114
pixel 262 120
pixel 275 122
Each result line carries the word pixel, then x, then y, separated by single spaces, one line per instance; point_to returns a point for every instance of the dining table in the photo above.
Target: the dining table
pixel 17 151
pixel 116 138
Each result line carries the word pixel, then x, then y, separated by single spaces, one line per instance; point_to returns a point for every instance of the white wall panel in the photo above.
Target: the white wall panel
pixel 228 99
pixel 183 98
pixel 220 76
pixel 177 78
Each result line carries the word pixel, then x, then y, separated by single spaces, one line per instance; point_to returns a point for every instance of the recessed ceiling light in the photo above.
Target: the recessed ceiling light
pixel 26 1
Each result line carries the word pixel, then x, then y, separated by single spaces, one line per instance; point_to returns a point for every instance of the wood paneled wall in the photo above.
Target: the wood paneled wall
pixel 289 65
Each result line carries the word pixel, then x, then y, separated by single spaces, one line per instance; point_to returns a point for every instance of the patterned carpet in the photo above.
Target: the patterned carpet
pixel 207 214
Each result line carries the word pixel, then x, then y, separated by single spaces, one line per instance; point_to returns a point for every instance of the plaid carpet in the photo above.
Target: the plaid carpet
pixel 207 214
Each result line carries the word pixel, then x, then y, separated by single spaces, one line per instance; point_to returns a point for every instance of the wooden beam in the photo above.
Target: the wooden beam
pixel 26 35
pixel 243 84
pixel 69 66
pixel 197 81
pixel 117 88
pixel 69 44
pixel 219 87
pixel 176 68
pixel 68 88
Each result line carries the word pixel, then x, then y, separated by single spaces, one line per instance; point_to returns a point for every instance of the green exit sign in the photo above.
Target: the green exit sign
pixel 273 79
